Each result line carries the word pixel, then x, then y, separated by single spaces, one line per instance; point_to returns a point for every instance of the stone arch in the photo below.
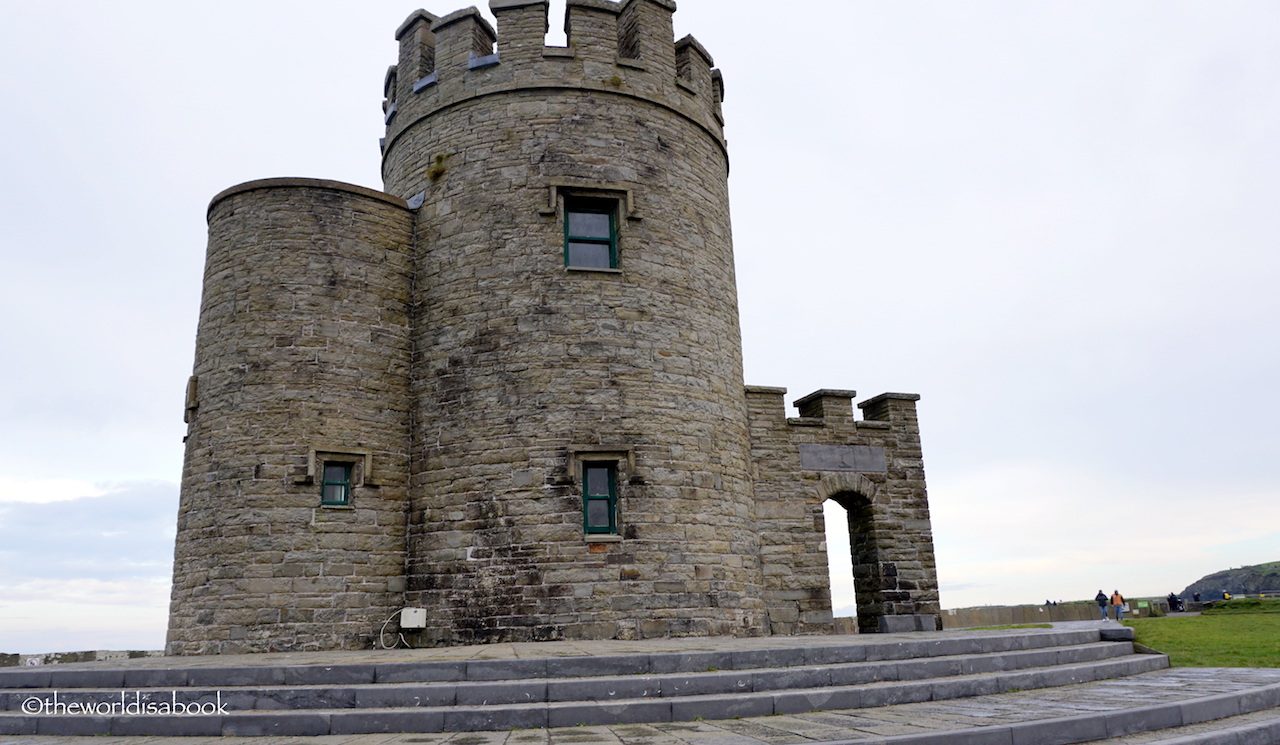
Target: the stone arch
pixel 831 484
pixel 872 574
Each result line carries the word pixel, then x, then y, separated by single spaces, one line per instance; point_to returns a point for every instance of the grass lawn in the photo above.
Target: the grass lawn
pixel 1244 605
pixel 1248 639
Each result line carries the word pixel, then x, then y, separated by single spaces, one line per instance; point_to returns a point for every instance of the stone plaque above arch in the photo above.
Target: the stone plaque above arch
pixel 857 458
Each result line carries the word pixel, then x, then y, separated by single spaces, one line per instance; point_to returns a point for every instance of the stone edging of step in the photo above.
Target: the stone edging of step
pixel 1085 728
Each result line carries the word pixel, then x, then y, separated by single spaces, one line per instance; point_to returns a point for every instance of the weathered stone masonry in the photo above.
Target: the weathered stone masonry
pixel 434 341
pixel 873 468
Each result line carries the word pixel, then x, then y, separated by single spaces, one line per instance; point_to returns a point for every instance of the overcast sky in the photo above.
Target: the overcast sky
pixel 1057 222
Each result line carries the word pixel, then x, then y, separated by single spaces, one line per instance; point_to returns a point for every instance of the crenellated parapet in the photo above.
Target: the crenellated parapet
pixel 622 49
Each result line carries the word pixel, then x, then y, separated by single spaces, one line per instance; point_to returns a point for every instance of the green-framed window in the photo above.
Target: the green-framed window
pixel 590 233
pixel 336 485
pixel 599 497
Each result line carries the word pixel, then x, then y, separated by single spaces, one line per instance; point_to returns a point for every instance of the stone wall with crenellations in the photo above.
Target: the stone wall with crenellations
pixel 873 468
pixel 615 50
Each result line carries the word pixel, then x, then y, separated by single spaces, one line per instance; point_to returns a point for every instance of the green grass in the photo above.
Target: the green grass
pixel 1249 639
pixel 1244 605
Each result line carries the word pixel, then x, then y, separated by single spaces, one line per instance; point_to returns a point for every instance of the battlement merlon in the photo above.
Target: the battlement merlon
pixel 827 403
pixel 417 52
pixel 623 48
pixel 891 407
pixel 524 25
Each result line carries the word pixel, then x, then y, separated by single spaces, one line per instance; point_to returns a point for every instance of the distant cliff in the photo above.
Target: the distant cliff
pixel 1261 578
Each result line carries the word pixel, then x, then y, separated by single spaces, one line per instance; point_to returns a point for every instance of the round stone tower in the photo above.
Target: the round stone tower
pixel 579 436
pixel 291 521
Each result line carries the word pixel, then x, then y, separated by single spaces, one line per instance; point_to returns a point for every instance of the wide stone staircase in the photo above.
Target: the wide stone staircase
pixel 354 693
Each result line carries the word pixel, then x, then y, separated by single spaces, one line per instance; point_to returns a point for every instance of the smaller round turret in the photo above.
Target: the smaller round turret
pixel 302 362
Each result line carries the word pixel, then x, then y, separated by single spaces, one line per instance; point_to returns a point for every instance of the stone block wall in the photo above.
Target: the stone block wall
pixel 961 618
pixel 873 468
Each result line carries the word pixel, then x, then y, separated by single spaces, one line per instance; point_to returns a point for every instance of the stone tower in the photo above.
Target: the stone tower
pixel 539 356
pixel 509 388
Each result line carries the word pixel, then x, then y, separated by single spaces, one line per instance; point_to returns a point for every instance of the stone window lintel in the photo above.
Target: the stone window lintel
pixel 557 189
pixel 623 455
pixel 318 455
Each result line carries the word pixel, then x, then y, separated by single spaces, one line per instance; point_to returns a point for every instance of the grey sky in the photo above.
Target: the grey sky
pixel 1057 222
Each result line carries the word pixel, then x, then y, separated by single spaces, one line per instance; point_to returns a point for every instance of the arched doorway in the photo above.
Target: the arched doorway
pixel 839 564
pixel 853 559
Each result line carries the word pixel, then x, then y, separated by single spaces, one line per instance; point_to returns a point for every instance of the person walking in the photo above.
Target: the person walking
pixel 1101 600
pixel 1117 602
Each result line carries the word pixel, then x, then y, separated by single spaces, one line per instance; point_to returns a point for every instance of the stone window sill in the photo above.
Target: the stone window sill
pixel 605 270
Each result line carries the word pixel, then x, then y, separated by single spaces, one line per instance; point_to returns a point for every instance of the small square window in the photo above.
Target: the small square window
pixel 590 233
pixel 336 487
pixel 599 497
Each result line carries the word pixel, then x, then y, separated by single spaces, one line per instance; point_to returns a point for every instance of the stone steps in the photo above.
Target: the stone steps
pixel 476 695
pixel 601 688
pixel 1258 728
pixel 1240 718
pixel 857 649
